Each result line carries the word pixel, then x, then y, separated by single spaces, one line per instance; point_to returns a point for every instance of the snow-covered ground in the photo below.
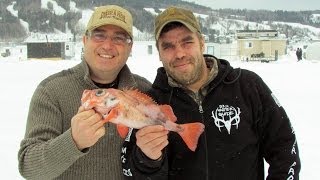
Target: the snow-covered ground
pixel 296 85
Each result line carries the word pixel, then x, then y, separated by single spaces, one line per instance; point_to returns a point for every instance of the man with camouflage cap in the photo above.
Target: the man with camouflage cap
pixel 244 122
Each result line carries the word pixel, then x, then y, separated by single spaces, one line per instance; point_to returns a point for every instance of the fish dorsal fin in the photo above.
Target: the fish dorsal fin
pixel 142 97
pixel 167 110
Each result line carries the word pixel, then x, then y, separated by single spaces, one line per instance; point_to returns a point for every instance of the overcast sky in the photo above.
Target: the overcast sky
pixel 289 5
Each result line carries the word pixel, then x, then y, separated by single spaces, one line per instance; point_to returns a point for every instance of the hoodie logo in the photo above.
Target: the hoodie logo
pixel 226 116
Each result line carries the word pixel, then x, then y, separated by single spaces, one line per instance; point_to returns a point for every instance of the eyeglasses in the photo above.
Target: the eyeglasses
pixel 118 39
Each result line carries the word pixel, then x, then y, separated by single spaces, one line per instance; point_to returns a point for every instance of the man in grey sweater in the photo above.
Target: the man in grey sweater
pixel 64 141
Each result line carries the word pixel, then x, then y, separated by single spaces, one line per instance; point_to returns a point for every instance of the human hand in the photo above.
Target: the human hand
pixel 151 140
pixel 86 128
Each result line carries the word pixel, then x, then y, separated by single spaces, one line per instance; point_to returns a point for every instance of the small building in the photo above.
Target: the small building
pixel 54 47
pixel 148 46
pixel 19 52
pixel 261 45
pixel 216 49
pixel 312 52
pixel 223 51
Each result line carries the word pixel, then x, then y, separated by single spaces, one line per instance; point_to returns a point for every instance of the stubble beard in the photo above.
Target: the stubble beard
pixel 187 78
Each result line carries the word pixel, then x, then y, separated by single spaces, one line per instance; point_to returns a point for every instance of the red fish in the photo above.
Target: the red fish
pixel 134 109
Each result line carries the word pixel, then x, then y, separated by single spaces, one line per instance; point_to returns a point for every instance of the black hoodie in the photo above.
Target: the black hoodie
pixel 244 124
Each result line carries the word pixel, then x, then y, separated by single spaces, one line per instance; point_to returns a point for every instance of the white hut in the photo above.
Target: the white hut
pixel 312 51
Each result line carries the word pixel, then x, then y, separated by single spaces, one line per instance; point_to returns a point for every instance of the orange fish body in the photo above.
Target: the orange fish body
pixel 131 108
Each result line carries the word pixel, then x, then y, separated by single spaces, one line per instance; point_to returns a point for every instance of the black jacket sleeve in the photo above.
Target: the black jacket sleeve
pixel 136 165
pixel 278 141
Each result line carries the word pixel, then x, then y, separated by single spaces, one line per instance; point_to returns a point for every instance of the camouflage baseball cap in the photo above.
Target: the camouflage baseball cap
pixel 176 14
pixel 113 15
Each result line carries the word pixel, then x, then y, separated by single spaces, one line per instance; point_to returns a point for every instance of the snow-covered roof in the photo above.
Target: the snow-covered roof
pixel 39 37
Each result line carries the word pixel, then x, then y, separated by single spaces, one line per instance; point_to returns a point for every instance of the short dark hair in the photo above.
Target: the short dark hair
pixel 170 26
pixel 173 25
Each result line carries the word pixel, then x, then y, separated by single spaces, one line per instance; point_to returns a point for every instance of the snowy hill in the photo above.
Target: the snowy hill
pixel 71 17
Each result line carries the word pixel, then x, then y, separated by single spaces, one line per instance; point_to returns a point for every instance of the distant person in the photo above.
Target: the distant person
pixel 299 54
pixel 62 140
pixel 244 122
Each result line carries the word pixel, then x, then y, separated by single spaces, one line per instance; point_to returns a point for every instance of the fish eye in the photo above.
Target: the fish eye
pixel 113 98
pixel 99 92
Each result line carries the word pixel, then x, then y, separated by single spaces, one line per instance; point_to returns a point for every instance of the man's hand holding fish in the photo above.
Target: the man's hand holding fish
pixel 131 108
pixel 151 140
pixel 87 128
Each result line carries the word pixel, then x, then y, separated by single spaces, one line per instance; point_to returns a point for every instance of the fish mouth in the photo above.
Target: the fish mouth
pixel 103 111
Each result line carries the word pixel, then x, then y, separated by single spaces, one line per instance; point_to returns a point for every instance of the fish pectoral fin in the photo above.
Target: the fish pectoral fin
pixel 167 110
pixel 112 114
pixel 191 133
pixel 122 130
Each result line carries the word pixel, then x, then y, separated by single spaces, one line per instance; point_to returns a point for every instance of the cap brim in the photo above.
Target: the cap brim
pixel 191 28
pixel 122 26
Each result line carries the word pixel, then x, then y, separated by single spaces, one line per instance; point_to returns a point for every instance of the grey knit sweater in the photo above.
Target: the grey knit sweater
pixel 48 150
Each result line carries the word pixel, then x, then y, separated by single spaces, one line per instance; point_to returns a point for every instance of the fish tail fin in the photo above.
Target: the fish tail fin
pixel 191 133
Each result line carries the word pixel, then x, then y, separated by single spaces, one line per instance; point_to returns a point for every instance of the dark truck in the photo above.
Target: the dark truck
pixel 262 58
pixel 6 53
